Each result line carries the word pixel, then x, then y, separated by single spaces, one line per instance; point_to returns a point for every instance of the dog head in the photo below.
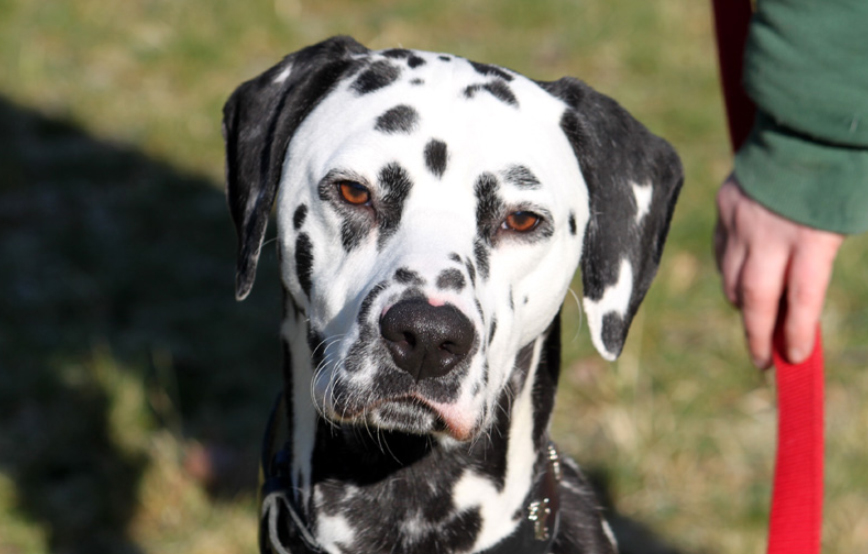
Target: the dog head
pixel 431 213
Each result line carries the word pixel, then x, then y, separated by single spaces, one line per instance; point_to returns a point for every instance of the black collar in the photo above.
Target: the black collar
pixel 283 529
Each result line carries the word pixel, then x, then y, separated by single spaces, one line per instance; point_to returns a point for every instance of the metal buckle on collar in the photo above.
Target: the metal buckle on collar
pixel 543 513
pixel 538 513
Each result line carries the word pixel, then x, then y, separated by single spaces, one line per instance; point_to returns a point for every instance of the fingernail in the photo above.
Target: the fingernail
pixel 760 364
pixel 796 354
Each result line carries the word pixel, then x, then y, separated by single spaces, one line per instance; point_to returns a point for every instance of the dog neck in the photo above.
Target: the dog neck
pixel 366 487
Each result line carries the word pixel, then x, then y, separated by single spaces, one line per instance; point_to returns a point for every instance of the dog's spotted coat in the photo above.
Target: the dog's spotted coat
pixel 425 198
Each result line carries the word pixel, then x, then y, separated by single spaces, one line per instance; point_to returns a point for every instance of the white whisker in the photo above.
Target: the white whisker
pixel 579 309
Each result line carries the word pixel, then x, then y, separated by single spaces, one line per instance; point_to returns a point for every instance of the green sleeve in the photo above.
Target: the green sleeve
pixel 817 184
pixel 806 67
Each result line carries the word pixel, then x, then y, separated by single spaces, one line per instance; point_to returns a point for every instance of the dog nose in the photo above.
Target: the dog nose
pixel 426 341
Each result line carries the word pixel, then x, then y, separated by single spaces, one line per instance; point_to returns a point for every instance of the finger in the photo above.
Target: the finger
pixel 720 238
pixel 729 244
pixel 760 287
pixel 732 261
pixel 809 276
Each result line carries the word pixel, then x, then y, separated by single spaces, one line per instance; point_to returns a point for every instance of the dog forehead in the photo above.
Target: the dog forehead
pixel 428 109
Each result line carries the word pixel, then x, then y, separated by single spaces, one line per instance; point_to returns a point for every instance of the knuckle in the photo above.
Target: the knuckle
pixel 757 295
pixel 805 297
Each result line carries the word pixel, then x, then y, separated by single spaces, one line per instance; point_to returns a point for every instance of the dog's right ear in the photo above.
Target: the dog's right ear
pixel 259 119
pixel 633 179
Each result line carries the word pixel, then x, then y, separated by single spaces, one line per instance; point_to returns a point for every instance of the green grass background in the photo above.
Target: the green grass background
pixel 129 377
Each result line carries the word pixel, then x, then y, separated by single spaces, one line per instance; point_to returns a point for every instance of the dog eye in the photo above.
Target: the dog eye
pixel 354 193
pixel 521 222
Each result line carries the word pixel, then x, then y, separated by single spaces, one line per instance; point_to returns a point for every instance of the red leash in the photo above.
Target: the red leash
pixel 797 499
pixel 796 519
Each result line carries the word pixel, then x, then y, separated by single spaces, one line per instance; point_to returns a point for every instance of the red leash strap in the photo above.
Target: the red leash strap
pixel 797 500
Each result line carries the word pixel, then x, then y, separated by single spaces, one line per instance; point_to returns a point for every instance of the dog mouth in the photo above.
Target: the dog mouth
pixel 415 415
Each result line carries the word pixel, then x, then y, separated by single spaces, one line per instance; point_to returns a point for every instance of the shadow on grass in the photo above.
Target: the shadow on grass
pixel 119 268
pixel 113 263
pixel 633 536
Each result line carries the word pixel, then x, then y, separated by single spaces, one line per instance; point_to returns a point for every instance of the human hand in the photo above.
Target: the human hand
pixel 766 262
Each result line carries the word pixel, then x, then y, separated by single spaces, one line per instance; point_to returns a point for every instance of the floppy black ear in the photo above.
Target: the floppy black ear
pixel 633 178
pixel 259 120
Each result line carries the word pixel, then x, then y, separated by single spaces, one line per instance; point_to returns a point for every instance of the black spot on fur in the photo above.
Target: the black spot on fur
pixel 413 294
pixel 445 58
pixel 522 367
pixel 451 279
pixel 481 252
pixel 511 300
pixel 304 262
pixel 408 276
pixel 614 332
pixel 435 157
pixel 417 82
pixel 400 119
pixel 378 75
pixel 355 357
pixel 354 229
pixel 395 185
pixel 521 177
pixel 573 228
pixel 299 216
pixel 397 53
pixel 479 310
pixel 415 61
pixel 316 343
pixel 489 208
pixel 491 70
pixel 455 257
pixel 471 271
pixel 546 382
pixel 365 307
pixel 492 330
pixel 498 89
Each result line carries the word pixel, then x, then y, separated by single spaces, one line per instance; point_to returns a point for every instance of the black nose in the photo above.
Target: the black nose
pixel 426 341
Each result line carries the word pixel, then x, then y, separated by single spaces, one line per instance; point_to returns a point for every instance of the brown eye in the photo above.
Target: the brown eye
pixel 521 222
pixel 354 193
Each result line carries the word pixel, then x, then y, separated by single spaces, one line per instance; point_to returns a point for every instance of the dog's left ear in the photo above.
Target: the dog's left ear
pixel 633 178
pixel 259 120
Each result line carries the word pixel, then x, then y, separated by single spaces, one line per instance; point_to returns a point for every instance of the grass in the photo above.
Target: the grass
pixel 129 377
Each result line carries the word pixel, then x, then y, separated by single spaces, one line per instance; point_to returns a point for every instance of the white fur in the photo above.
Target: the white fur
pixel 474 490
pixel 616 298
pixel 281 77
pixel 304 414
pixel 642 195
pixel 332 532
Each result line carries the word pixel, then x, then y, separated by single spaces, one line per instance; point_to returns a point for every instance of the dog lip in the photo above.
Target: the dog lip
pixel 448 419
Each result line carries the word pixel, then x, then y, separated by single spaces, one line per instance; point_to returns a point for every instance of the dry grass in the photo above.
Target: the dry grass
pixel 123 356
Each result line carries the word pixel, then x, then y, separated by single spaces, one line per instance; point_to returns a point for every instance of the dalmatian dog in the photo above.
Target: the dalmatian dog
pixel 431 212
